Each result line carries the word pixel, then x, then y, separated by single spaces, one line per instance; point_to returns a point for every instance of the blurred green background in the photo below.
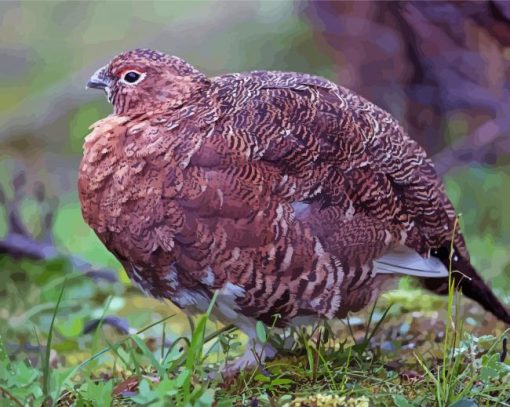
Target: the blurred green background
pixel 48 50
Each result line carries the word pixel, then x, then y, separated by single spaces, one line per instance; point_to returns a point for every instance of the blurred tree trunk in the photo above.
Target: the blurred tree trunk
pixel 437 66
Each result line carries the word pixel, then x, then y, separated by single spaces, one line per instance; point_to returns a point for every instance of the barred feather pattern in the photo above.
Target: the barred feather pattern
pixel 278 189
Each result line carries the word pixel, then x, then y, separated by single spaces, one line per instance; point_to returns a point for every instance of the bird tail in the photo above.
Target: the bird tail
pixel 468 281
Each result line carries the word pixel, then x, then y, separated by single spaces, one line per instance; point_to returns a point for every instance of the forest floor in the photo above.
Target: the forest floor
pixel 67 339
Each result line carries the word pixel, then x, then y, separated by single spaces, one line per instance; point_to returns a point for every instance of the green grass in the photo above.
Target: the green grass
pixel 400 353
pixel 455 380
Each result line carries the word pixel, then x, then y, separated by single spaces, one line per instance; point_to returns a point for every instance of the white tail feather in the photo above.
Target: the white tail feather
pixel 403 260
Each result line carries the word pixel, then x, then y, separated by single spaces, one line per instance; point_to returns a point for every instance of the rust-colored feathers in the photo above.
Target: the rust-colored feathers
pixel 287 193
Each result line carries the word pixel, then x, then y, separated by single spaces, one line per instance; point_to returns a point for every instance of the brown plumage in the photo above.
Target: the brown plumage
pixel 287 193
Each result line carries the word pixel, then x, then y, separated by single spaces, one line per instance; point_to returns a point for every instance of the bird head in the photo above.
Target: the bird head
pixel 144 80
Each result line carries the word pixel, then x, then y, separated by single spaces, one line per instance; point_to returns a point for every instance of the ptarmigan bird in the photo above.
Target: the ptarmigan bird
pixel 284 192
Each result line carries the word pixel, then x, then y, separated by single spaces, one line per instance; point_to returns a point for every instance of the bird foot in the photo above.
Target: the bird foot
pixel 252 357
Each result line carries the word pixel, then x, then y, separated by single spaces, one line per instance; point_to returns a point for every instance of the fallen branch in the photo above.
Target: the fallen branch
pixel 121 325
pixel 17 245
pixel 19 242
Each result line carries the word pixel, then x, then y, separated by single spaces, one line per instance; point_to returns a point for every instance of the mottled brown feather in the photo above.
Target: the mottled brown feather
pixel 282 185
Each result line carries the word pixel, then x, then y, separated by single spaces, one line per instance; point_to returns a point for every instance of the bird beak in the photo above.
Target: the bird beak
pixel 99 80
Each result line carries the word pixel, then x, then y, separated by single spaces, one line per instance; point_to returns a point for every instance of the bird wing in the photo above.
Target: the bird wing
pixel 347 167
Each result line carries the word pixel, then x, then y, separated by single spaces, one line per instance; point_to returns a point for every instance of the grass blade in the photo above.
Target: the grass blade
pixel 46 365
pixel 102 352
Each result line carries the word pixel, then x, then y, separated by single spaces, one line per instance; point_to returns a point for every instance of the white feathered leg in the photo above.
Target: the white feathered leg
pixel 252 357
pixel 225 310
pixel 255 353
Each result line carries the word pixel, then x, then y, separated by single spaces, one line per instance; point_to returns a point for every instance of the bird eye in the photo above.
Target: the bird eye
pixel 131 77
